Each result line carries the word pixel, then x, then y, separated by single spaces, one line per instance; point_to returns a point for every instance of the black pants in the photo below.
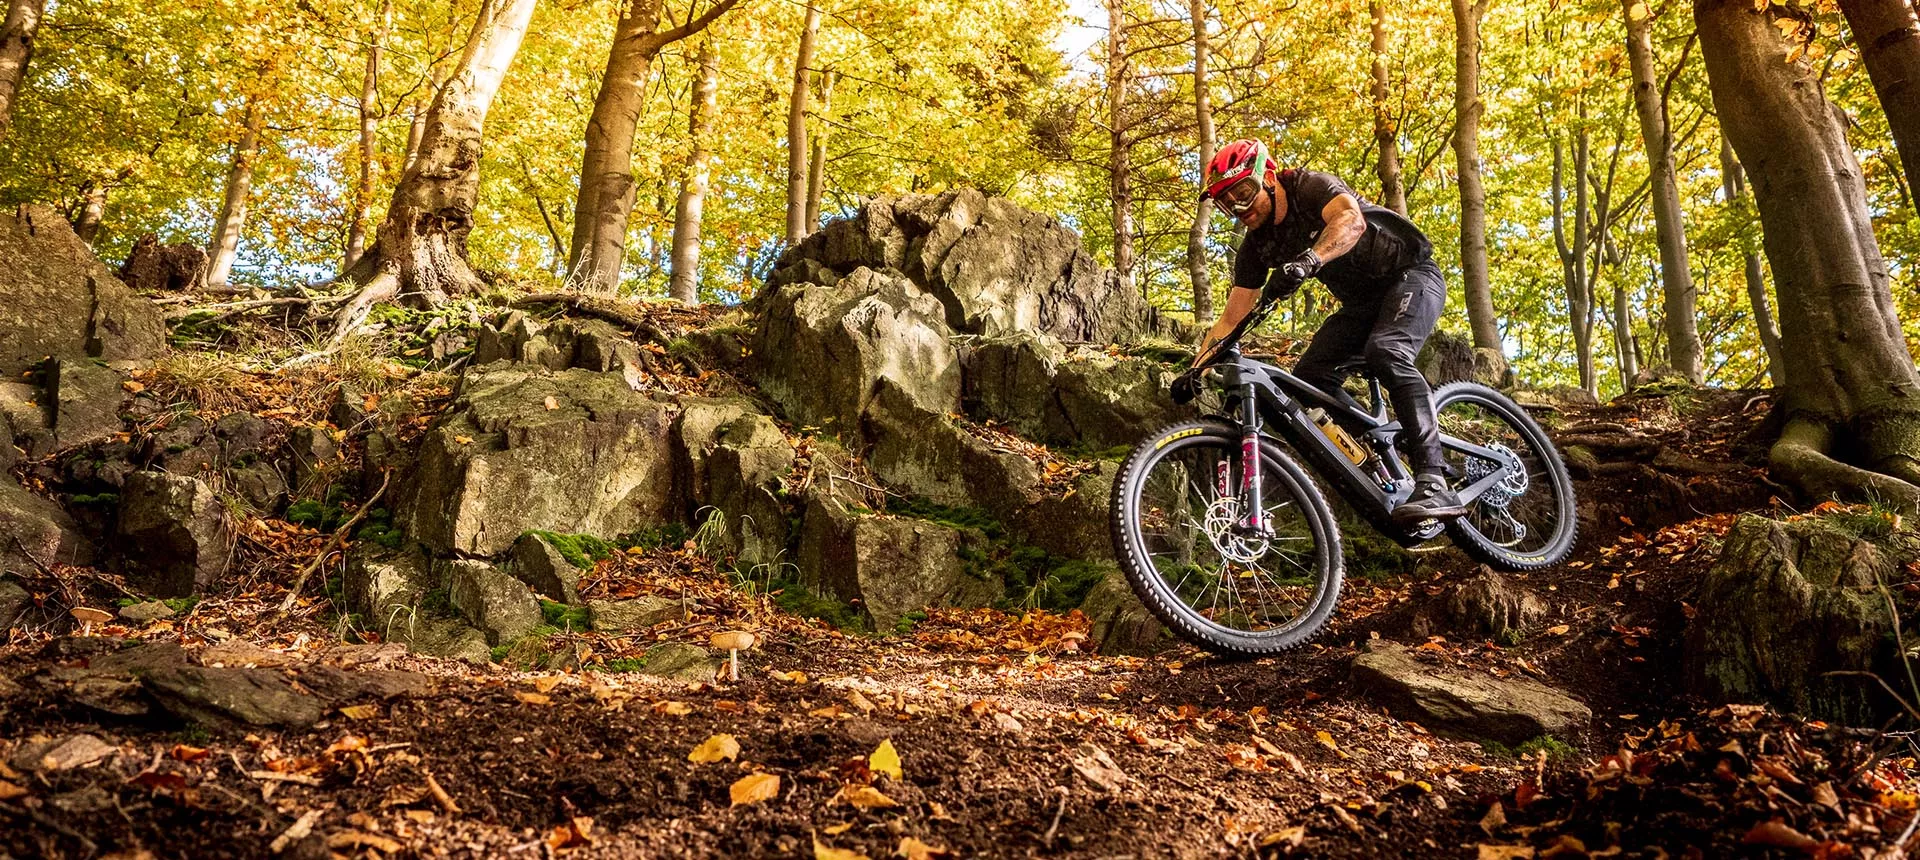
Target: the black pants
pixel 1387 332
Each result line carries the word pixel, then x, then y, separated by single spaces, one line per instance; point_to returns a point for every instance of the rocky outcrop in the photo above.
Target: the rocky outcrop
pixel 491 600
pixel 994 267
pixel 172 535
pixel 631 616
pixel 1118 622
pixel 746 462
pixel 545 569
pixel 58 300
pixel 383 585
pixel 927 454
pixel 1787 603
pixel 1481 707
pixel 889 566
pixel 821 349
pixel 524 449
pixel 35 531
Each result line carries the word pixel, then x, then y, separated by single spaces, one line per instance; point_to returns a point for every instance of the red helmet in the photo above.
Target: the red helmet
pixel 1235 162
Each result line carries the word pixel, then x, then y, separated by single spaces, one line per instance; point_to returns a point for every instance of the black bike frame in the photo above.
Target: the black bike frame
pixel 1280 402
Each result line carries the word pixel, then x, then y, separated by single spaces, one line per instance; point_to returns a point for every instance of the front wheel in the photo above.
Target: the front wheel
pixel 1175 512
pixel 1525 519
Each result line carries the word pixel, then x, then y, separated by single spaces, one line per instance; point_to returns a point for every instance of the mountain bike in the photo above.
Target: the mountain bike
pixel 1230 543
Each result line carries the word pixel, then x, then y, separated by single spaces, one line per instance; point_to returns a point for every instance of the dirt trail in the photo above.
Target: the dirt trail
pixel 1010 742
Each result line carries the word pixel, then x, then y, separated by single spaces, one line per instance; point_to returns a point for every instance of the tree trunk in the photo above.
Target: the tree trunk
pixel 421 246
pixel 1626 344
pixel 1573 258
pixel 1850 394
pixel 685 283
pixel 1393 192
pixel 817 165
pixel 93 209
pixel 1735 182
pixel 1117 163
pixel 1889 39
pixel 16 49
pixel 605 202
pixel 1676 281
pixel 417 129
pixel 1473 193
pixel 797 227
pixel 1203 211
pixel 233 211
pixel 369 140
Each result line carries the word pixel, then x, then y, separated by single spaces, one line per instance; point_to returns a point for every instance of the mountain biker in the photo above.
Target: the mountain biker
pixel 1302 224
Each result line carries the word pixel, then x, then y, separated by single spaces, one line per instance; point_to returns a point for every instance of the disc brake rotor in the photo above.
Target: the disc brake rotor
pixel 1222 516
pixel 1513 477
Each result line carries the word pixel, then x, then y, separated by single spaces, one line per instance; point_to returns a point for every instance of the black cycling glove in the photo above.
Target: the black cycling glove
pixel 1186 386
pixel 1287 279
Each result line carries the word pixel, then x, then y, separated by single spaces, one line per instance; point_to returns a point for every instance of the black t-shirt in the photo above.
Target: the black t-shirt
pixel 1390 246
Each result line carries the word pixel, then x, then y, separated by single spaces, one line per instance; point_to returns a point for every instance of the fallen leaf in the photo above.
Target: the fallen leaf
pixel 796 676
pixel 837 829
pixel 1495 818
pixel 9 791
pixel 464 440
pixel 1290 837
pixel 361 839
pixel 866 797
pixel 360 712
pixel 823 851
pixel 182 752
pixel 573 834
pixel 546 683
pixel 532 698
pixel 886 760
pixel 913 849
pixel 133 387
pixel 755 787
pixel 1505 852
pixel 715 749
pixel 672 709
pixel 1779 835
pixel 551 403
pixel 1558 630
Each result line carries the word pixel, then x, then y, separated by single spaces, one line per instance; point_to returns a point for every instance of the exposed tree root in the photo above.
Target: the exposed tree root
pixel 383 287
pixel 1801 458
pixel 609 309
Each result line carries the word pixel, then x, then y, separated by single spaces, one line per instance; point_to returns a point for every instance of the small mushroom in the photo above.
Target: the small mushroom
pixel 1072 639
pixel 735 641
pixel 89 617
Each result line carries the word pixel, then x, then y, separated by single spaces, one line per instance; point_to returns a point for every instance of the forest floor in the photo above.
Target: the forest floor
pixel 1009 741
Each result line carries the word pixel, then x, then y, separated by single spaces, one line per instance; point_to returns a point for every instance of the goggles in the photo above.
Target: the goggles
pixel 1239 197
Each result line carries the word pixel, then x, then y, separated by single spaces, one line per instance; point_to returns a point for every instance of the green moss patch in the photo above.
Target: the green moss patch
pixel 581 551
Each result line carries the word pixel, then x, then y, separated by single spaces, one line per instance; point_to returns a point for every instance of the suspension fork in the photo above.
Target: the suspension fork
pixel 1250 472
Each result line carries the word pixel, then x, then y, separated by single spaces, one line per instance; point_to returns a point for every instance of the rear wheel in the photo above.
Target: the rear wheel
pixel 1526 519
pixel 1224 590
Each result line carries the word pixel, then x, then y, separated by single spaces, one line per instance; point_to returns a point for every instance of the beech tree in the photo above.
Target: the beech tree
pixel 685 284
pixel 1888 36
pixel 225 246
pixel 16 49
pixel 1393 191
pixel 1481 317
pixel 1118 168
pixel 369 143
pixel 607 189
pixel 421 246
pixel 797 226
pixel 1676 280
pixel 1197 263
pixel 1850 394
